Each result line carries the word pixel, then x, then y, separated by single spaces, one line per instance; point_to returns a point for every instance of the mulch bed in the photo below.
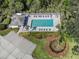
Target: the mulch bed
pixel 52 53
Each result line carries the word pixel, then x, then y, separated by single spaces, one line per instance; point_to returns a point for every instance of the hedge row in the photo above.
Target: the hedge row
pixel 3 26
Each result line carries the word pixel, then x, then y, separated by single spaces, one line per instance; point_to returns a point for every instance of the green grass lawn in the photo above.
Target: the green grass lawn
pixel 40 52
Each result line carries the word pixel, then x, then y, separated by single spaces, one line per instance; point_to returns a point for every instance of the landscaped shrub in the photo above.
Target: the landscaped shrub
pixel 25 34
pixel 39 36
pixel 75 50
pixel 6 21
pixel 3 26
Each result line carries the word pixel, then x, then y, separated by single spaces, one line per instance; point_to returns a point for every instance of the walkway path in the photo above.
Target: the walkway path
pixel 22 29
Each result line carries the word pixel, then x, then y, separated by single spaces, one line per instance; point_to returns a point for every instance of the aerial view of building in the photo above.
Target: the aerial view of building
pixel 39 29
pixel 37 21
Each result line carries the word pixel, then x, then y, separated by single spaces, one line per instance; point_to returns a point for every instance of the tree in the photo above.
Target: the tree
pixel 6 21
pixel 72 19
pixel 18 6
pixel 35 6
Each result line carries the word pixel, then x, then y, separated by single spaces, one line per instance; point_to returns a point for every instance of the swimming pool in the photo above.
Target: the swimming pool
pixel 42 23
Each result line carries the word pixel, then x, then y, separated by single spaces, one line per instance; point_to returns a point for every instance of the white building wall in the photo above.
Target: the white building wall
pixel 12 26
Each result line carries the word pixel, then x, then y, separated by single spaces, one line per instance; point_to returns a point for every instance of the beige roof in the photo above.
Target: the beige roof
pixel 12 48
pixel 20 42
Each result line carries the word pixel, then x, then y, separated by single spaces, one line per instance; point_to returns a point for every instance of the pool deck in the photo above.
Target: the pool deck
pixel 56 21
